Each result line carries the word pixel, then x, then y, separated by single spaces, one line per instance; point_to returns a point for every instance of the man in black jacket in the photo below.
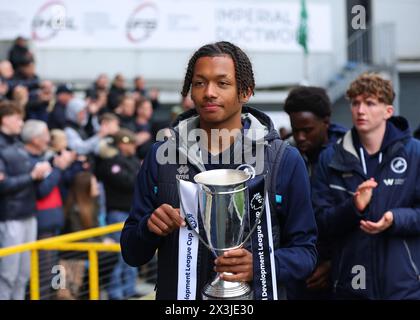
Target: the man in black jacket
pixel 17 201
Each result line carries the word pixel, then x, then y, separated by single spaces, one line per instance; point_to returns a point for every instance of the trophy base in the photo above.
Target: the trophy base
pixel 220 289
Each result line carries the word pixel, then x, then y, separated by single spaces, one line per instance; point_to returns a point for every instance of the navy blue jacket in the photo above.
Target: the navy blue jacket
pixel 390 259
pixel 17 189
pixel 294 259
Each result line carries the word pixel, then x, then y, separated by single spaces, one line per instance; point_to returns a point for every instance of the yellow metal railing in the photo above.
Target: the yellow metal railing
pixel 65 243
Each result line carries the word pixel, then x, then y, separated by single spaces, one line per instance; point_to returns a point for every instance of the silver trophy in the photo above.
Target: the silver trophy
pixel 224 211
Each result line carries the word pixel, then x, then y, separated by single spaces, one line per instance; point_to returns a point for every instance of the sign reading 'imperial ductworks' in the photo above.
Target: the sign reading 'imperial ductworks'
pixel 164 24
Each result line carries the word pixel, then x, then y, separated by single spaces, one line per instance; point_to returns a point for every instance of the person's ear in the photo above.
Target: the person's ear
pixel 245 96
pixel 326 121
pixel 389 111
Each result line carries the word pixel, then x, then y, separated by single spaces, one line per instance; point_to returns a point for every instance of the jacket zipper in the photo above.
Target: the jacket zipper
pixel 410 257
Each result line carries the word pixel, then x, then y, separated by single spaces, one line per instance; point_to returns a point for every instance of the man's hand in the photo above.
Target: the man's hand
pixel 238 262
pixel 376 227
pixel 363 194
pixel 41 170
pixel 164 220
pixel 319 278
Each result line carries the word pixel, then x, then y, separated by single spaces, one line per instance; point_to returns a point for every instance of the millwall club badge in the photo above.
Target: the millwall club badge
pixel 398 165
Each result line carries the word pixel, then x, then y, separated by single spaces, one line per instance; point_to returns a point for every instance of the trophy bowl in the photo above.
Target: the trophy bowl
pixel 224 213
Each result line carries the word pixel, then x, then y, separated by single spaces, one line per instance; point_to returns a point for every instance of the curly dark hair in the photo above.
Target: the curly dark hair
pixel 243 67
pixel 310 99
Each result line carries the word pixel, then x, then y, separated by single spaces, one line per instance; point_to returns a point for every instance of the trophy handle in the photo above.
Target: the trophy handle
pixel 248 169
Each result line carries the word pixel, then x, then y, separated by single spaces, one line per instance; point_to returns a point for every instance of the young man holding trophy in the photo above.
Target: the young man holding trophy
pixel 222 194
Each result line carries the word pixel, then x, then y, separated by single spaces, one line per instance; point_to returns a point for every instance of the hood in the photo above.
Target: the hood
pixel 259 130
pixel 335 132
pixel 397 129
pixel 74 106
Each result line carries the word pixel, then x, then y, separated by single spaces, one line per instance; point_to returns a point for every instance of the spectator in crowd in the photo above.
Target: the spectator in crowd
pixel 118 175
pixel 6 70
pixel 19 54
pixel 81 213
pixel 57 116
pixel 96 106
pixel 221 80
pixel 36 137
pixel 126 111
pixel 41 102
pixel 81 205
pixel 186 104
pixel 49 204
pixel 154 98
pixel 309 109
pixel 26 76
pixel 366 195
pixel 100 86
pixel 117 91
pixel 140 87
pixel 6 76
pixel 77 138
pixel 59 146
pixel 144 138
pixel 4 88
pixel 20 95
pixel 17 201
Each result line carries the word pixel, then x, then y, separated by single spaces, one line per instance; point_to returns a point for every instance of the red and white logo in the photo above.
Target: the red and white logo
pixel 142 22
pixel 49 20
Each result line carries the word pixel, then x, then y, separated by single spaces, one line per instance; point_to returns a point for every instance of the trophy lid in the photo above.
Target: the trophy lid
pixel 222 177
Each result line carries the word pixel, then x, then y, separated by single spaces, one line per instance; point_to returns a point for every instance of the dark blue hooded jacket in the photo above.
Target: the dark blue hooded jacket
pixel 384 265
pixel 295 254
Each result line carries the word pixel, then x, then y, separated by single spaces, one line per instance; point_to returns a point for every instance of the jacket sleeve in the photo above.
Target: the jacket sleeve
pixel 333 217
pixel 10 184
pixel 138 244
pixel 296 257
pixel 407 220
pixel 82 147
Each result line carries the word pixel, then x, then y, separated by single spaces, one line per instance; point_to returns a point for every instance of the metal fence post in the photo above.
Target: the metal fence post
pixel 93 275
pixel 34 289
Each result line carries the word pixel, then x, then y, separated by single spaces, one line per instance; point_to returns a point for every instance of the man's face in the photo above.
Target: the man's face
pixel 42 141
pixel 12 124
pixel 113 125
pixel 102 81
pixel 309 131
pixel 64 97
pixel 127 149
pixel 368 114
pixel 145 110
pixel 215 93
pixel 128 107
